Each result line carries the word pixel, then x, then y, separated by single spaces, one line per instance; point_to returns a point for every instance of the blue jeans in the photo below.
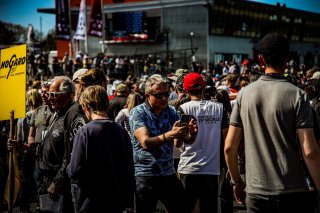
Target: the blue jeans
pixel 167 189
pixel 291 202
pixel 74 188
pixel 38 177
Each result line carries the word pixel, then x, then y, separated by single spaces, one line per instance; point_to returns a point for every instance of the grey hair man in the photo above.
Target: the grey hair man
pixel 52 148
pixel 154 127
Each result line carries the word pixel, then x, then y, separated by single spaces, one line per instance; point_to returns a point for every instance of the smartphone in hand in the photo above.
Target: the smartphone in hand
pixel 185 119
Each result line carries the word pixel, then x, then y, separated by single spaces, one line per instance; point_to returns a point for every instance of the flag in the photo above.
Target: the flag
pixel 81 28
pixel 62 20
pixel 30 35
pixel 15 177
pixel 95 21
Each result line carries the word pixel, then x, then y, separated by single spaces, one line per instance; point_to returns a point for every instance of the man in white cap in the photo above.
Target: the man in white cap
pixel 75 78
pixel 119 101
pixel 174 95
pixel 114 88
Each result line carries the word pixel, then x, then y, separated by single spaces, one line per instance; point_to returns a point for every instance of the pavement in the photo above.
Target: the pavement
pixel 236 208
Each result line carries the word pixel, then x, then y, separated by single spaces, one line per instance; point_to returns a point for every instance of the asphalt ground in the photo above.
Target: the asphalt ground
pixel 236 208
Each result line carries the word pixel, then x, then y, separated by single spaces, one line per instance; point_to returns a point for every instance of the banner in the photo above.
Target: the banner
pixel 13 81
pixel 62 20
pixel 95 21
pixel 82 27
pixel 30 35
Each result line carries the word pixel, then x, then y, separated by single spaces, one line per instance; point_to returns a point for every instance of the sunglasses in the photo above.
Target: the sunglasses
pixel 160 95
pixel 54 94
pixel 77 81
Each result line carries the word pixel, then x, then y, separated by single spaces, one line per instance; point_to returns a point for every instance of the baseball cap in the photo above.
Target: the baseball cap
pixel 224 87
pixel 179 81
pixel 316 75
pixel 177 74
pixel 122 88
pixel 79 73
pixel 115 83
pixel 193 81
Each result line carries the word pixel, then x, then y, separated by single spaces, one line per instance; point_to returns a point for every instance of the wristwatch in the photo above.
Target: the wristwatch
pixel 237 182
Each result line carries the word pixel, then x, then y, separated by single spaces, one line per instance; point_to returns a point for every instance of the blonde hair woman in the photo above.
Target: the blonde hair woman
pixel 34 100
pixel 123 116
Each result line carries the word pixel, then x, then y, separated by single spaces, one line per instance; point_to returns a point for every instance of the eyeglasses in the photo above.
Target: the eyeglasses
pixel 54 94
pixel 160 95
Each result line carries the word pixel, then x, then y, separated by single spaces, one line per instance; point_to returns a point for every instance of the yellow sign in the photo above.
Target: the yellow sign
pixel 13 81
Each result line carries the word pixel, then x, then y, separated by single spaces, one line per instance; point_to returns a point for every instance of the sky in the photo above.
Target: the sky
pixel 24 12
pixel 307 5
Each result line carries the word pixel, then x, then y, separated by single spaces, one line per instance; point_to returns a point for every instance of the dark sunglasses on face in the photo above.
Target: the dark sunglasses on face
pixel 54 94
pixel 77 81
pixel 160 95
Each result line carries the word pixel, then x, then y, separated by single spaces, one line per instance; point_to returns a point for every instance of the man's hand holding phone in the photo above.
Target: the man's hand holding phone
pixel 190 121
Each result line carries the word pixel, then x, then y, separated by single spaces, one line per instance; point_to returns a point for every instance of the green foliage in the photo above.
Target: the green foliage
pixel 7 35
pixel 49 43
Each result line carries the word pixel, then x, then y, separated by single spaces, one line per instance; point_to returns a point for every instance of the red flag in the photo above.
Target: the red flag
pixel 95 21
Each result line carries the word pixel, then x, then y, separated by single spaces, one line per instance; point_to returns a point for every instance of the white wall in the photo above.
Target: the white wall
pixel 180 21
pixel 224 44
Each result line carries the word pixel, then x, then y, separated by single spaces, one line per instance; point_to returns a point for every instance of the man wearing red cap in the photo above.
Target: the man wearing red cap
pixel 199 165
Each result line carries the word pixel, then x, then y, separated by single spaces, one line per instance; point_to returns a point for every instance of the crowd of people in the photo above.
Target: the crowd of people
pixel 42 66
pixel 191 139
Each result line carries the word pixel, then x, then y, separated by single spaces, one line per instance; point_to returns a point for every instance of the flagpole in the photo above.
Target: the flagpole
pixel 85 32
pixel 11 168
pixel 70 39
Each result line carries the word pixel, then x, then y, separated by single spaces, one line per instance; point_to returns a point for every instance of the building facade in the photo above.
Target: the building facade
pixel 198 30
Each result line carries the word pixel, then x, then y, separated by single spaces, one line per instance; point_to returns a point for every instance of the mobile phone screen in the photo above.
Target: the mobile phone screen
pixel 185 119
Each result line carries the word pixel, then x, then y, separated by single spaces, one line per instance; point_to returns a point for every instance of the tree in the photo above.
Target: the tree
pixel 49 43
pixel 7 34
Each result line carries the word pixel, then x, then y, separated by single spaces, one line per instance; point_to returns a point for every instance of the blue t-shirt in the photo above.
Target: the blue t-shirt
pixel 157 161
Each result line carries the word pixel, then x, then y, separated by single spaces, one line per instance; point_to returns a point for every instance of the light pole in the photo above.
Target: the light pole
pixel 191 44
pixel 166 32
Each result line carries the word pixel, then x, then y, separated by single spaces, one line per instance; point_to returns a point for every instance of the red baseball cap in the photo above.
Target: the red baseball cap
pixel 193 81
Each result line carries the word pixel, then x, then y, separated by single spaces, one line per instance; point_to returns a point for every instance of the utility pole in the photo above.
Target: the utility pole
pixel 191 46
pixel 167 46
pixel 40 28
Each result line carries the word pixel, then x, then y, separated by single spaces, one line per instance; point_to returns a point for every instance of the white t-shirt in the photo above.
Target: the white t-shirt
pixel 203 156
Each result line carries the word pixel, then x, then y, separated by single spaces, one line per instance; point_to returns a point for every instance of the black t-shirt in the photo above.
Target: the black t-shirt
pixel 74 119
pixel 116 104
